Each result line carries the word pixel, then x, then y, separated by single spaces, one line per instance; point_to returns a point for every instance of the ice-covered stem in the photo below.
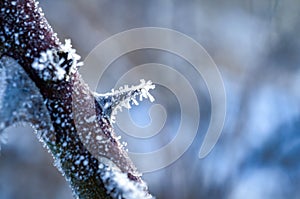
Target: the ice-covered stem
pixel 60 106
pixel 24 32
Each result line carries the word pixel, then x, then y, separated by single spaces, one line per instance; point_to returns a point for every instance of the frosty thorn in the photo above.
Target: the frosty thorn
pixel 124 97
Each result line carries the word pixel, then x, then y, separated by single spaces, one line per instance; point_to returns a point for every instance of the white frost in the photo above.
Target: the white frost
pixel 51 67
pixel 99 137
pixel 90 119
pixel 118 185
pixel 125 96
pixel 60 72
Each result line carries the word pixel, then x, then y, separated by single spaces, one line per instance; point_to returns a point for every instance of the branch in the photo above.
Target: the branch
pixel 40 85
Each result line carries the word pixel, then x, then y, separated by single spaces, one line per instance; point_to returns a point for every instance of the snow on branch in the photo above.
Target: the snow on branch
pixel 40 85
pixel 118 185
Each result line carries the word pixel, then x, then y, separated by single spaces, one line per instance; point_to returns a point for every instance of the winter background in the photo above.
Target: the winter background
pixel 256 46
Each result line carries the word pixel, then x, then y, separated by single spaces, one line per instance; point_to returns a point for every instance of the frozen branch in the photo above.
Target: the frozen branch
pixel 40 85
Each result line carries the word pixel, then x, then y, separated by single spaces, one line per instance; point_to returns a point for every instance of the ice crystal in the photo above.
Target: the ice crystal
pixel 24 29
pixel 57 64
pixel 90 119
pixel 115 100
pixel 118 185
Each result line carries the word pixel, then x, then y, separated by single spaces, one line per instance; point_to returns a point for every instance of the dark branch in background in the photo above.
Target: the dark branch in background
pixel 49 94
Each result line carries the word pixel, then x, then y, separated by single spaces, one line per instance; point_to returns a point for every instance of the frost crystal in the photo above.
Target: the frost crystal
pixel 118 185
pixel 125 96
pixel 90 119
pixel 57 64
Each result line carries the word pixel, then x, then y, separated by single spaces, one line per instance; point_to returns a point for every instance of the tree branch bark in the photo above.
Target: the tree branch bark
pixel 73 126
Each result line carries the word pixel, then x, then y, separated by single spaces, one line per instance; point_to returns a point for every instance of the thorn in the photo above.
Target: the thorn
pixel 114 101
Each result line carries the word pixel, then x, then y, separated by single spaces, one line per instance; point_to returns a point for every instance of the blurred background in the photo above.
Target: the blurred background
pixel 255 45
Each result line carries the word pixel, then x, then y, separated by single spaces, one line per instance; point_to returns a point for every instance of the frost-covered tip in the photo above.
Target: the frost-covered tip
pixel 57 64
pixel 115 100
